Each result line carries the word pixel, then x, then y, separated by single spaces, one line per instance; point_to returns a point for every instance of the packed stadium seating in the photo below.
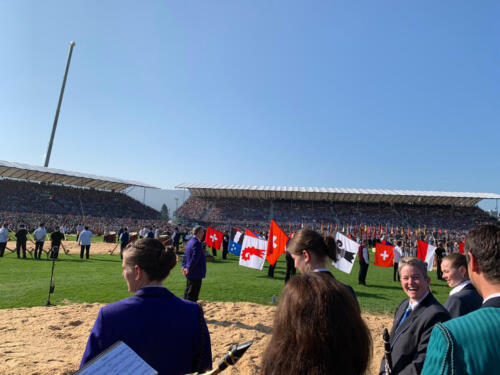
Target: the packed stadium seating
pixel 312 213
pixel 23 196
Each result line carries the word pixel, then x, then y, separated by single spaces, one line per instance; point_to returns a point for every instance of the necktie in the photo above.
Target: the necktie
pixel 405 315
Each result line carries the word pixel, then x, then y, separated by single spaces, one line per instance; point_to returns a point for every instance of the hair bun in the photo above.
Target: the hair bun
pixel 331 247
pixel 167 258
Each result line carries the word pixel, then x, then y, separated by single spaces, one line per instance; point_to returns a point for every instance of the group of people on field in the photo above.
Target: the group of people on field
pixel 38 239
pixel 318 327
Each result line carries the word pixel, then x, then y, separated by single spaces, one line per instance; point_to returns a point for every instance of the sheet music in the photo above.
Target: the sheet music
pixel 119 359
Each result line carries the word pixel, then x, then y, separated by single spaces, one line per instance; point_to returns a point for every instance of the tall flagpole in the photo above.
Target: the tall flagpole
pixel 54 126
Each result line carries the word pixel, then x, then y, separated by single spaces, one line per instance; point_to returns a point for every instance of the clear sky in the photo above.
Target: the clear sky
pixel 362 94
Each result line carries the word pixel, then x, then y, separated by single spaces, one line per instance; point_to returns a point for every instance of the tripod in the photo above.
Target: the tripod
pixel 51 286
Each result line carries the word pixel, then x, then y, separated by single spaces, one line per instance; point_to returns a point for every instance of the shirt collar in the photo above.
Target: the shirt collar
pixel 321 270
pixel 459 287
pixel 494 295
pixel 153 290
pixel 415 304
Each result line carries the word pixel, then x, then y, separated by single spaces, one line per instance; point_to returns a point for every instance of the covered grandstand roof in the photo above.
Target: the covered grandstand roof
pixel 59 176
pixel 336 194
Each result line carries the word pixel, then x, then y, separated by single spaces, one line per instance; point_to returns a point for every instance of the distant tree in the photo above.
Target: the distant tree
pixel 164 212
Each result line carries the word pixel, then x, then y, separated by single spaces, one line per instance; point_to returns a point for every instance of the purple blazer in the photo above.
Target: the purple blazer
pixel 169 333
pixel 194 259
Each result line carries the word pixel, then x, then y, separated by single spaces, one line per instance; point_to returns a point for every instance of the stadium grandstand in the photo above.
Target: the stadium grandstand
pixel 374 210
pixel 32 194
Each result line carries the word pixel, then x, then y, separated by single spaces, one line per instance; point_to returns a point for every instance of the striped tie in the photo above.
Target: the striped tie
pixel 405 315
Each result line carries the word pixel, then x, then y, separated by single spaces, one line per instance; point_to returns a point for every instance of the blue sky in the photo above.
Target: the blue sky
pixel 362 94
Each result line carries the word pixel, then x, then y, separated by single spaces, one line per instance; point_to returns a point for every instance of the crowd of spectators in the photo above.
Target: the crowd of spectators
pixel 27 197
pixel 413 220
pixel 69 223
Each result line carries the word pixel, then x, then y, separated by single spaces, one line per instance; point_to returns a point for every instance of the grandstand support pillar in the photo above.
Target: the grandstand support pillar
pixel 56 118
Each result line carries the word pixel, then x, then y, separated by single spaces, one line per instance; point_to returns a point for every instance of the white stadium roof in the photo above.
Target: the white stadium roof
pixel 336 194
pixel 59 176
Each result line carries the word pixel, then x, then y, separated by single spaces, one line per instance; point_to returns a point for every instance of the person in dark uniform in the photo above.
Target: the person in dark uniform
pixel 310 252
pixel 151 233
pixel 364 262
pixel 124 240
pixel 176 238
pixel 290 267
pixel 55 237
pixel 169 333
pixel 225 245
pixel 194 266
pixel 414 319
pixel 270 270
pixel 120 232
pixel 464 297
pixel 440 253
pixel 21 238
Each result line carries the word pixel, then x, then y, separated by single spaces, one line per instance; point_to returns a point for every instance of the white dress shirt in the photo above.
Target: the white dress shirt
pixel 4 235
pixel 85 237
pixel 459 287
pixel 40 234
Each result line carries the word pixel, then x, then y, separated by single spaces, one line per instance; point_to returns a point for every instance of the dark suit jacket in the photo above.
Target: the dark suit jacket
pixel 463 302
pixel 167 332
pixel 409 341
pixel 494 302
pixel 349 288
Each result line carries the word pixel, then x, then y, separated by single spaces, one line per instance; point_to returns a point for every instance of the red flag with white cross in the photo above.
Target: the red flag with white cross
pixel 384 255
pixel 213 238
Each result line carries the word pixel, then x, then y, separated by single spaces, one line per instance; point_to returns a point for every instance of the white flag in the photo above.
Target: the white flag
pixel 347 250
pixel 253 252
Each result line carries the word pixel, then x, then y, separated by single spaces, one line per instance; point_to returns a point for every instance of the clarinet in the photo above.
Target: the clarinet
pixel 234 354
pixel 387 352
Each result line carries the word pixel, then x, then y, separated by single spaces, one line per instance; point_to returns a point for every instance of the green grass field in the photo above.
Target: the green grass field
pixel 25 283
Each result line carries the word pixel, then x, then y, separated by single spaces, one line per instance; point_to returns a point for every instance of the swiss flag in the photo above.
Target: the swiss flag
pixel 426 253
pixel 384 255
pixel 461 247
pixel 213 238
pixel 276 243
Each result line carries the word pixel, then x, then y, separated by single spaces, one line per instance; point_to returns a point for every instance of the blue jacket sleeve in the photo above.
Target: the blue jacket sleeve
pixel 186 260
pixel 96 343
pixel 206 360
pixel 196 255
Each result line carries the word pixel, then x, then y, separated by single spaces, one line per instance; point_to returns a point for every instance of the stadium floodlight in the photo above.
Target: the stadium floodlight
pixel 49 150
